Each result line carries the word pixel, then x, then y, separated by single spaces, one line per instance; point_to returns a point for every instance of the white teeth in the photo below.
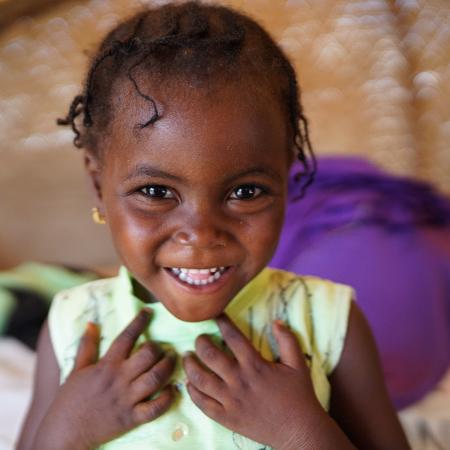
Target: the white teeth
pixel 212 270
pixel 183 274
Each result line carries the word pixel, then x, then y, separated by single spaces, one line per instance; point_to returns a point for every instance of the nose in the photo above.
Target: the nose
pixel 200 232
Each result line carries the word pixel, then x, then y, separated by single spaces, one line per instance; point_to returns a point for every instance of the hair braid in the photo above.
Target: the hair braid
pixel 189 40
pixel 75 109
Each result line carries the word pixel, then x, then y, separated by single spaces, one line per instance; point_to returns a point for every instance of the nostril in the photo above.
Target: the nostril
pixel 182 238
pixel 200 238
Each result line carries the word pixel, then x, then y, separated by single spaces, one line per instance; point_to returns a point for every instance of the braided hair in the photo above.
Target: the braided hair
pixel 187 41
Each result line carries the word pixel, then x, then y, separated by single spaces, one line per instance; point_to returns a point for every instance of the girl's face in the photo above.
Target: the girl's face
pixel 195 202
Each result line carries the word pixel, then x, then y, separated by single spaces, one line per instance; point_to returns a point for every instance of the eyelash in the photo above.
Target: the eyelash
pixel 146 191
pixel 160 192
pixel 257 191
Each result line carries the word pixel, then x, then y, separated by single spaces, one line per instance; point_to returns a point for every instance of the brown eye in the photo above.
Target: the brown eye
pixel 246 192
pixel 157 191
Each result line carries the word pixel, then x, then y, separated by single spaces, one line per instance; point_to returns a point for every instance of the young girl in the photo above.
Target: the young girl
pixel 190 122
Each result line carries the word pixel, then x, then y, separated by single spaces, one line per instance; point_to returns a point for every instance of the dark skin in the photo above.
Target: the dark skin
pixel 224 394
pixel 218 385
pixel 199 220
pixel 120 382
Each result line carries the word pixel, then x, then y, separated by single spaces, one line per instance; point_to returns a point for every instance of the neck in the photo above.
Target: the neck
pixel 141 293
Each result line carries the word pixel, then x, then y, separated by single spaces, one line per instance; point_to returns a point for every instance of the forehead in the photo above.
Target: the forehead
pixel 229 125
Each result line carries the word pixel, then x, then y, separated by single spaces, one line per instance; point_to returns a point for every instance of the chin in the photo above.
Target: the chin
pixel 195 316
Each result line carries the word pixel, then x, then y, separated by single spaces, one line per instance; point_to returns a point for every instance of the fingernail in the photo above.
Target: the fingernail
pixel 90 326
pixel 283 327
pixel 146 311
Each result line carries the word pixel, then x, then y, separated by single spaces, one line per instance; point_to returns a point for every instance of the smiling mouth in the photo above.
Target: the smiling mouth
pixel 198 277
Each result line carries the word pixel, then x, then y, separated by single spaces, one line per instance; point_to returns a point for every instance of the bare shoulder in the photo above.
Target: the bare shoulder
pixel 360 403
pixel 46 385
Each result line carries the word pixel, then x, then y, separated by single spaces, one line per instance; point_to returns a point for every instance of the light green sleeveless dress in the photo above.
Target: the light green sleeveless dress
pixel 316 310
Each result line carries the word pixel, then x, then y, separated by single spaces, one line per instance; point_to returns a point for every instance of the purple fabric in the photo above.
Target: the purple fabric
pixel 389 237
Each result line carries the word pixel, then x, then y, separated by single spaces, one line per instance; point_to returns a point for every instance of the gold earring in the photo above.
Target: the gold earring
pixel 98 217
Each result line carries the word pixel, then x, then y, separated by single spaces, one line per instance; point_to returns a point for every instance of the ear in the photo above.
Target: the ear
pixel 93 169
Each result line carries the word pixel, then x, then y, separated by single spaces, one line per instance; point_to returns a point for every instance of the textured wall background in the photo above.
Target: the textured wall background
pixel 375 77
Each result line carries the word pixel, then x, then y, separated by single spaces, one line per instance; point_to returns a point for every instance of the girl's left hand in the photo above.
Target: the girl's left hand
pixel 269 402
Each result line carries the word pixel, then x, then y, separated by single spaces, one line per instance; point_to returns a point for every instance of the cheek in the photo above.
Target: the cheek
pixel 135 234
pixel 262 235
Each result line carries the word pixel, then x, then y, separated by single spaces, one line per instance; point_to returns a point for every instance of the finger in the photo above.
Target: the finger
pixel 291 353
pixel 148 354
pixel 202 379
pixel 236 341
pixel 214 358
pixel 150 410
pixel 208 405
pixel 124 343
pixel 153 380
pixel 87 353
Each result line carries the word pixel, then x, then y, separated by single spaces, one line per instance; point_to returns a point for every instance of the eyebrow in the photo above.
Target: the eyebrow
pixel 149 171
pixel 265 171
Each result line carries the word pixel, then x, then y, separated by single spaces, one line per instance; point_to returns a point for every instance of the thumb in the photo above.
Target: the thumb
pixel 88 349
pixel 290 351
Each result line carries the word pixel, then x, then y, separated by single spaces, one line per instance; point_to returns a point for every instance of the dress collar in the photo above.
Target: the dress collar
pixel 164 326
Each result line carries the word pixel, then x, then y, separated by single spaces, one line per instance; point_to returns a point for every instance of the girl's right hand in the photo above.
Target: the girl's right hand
pixel 101 400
